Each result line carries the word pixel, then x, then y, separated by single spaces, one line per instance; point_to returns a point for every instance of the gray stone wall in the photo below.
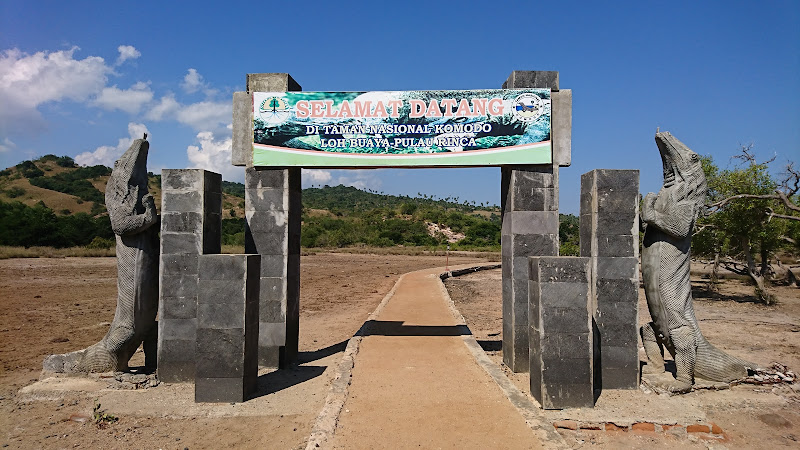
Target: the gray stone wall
pixel 227 327
pixel 191 219
pixel 609 235
pixel 560 332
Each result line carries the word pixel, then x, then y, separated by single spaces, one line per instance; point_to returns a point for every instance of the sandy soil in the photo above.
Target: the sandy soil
pixel 59 305
pixel 750 416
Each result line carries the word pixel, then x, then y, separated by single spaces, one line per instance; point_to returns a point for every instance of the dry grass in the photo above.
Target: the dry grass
pixel 407 251
pixel 491 256
pixel 7 252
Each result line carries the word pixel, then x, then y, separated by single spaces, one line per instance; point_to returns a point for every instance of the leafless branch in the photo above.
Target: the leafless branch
pixel 703 227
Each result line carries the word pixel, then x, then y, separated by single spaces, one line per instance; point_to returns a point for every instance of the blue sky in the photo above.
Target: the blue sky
pixel 81 78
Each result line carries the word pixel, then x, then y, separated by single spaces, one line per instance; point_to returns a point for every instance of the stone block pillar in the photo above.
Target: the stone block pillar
pixel 227 328
pixel 191 221
pixel 560 333
pixel 272 209
pixel 529 198
pixel 609 235
pixel 530 228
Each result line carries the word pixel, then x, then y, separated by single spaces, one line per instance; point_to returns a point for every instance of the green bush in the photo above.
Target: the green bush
pixel 29 170
pixel 15 192
pixel 99 242
pixel 65 161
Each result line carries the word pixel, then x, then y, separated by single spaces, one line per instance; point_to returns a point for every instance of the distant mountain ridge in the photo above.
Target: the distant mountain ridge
pixel 62 204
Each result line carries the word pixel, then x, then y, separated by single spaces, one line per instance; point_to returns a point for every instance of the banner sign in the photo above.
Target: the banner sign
pixel 401 128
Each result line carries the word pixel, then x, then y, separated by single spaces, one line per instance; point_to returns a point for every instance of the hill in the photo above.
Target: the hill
pixel 62 204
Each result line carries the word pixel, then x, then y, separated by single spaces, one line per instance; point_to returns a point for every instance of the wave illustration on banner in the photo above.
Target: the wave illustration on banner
pixel 402 128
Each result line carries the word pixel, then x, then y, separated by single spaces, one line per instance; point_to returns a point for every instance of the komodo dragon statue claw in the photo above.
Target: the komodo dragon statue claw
pixel 134 221
pixel 668 219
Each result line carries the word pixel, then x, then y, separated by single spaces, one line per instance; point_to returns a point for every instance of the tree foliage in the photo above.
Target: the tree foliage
pixel 744 224
pixel 26 226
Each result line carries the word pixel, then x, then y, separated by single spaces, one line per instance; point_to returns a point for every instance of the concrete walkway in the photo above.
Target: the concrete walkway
pixel 416 384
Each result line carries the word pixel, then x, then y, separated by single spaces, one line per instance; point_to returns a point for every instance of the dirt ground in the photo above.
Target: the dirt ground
pixel 59 305
pixel 750 416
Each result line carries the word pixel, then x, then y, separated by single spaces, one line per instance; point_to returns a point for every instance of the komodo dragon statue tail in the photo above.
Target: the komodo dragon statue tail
pixel 134 221
pixel 668 219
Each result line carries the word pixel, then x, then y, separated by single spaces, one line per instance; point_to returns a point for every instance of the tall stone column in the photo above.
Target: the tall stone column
pixel 272 209
pixel 609 236
pixel 191 221
pixel 529 198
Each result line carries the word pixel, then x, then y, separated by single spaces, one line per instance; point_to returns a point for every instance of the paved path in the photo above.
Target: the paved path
pixel 415 383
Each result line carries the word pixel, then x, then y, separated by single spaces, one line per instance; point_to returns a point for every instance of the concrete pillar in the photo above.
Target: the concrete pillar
pixel 227 328
pixel 529 198
pixel 191 221
pixel 272 208
pixel 609 233
pixel 561 366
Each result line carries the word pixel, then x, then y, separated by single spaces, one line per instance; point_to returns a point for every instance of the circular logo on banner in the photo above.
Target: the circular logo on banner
pixel 274 111
pixel 528 107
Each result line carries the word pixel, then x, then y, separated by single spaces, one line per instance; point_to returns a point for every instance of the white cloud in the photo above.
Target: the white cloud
pixel 360 179
pixel 127 52
pixel 205 115
pixel 214 155
pixel 7 145
pixel 193 81
pixel 107 154
pixel 166 108
pixel 128 100
pixel 316 176
pixel 27 81
pixel 202 116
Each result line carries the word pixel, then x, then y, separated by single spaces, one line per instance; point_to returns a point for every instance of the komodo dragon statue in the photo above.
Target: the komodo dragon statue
pixel 668 219
pixel 134 221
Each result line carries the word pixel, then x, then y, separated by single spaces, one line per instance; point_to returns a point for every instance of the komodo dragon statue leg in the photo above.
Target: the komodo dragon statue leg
pixel 668 219
pixel 134 221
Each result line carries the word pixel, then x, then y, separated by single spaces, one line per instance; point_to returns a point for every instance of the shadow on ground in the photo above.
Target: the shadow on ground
pixel 397 328
pixel 285 378
pixel 307 357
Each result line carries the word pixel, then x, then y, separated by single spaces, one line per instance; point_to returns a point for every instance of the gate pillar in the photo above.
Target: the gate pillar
pixel 529 201
pixel 273 211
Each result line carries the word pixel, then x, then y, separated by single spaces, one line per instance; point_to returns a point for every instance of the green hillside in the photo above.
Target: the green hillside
pixel 53 202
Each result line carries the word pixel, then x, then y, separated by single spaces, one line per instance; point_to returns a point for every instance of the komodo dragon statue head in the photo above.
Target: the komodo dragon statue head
pixel 128 182
pixel 683 171
pixel 668 219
